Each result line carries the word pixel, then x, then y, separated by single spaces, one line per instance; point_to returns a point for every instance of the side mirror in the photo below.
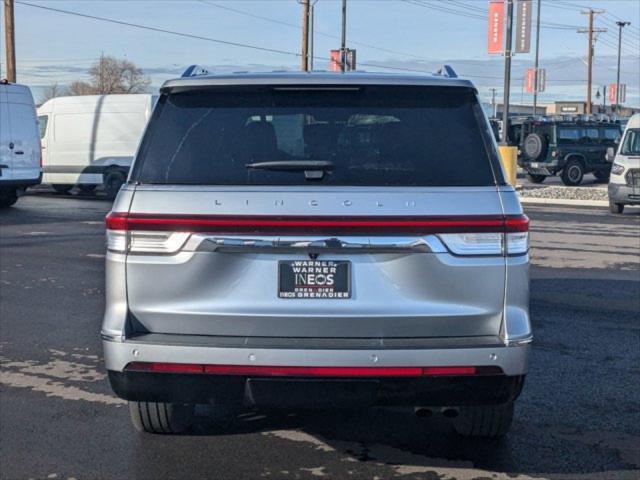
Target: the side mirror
pixel 611 154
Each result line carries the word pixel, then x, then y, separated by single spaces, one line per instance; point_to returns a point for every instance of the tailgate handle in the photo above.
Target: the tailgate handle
pixel 360 245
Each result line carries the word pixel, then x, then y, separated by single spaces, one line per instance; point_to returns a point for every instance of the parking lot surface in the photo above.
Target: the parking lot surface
pixel 578 416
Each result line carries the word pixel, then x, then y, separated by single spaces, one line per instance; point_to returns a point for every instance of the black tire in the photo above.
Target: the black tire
pixel 488 421
pixel 158 417
pixel 616 207
pixel 534 146
pixel 535 178
pixel 8 196
pixel 113 180
pixel 602 176
pixel 62 188
pixel 572 173
pixel 87 188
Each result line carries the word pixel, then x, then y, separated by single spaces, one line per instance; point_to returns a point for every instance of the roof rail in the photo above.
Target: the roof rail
pixel 447 71
pixel 194 71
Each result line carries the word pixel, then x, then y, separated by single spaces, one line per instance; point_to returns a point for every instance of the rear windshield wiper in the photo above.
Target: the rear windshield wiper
pixel 313 169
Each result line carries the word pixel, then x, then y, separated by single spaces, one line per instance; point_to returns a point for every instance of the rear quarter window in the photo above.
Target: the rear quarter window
pixel 404 136
pixel 42 125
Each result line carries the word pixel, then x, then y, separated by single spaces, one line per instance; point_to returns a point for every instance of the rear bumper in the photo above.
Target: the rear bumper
pixel 21 183
pixel 621 193
pixel 316 392
pixel 305 391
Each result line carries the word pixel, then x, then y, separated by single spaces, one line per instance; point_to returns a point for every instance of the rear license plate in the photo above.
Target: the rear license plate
pixel 314 279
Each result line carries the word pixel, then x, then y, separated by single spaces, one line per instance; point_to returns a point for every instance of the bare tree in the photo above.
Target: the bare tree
pixel 81 88
pixel 53 91
pixel 112 75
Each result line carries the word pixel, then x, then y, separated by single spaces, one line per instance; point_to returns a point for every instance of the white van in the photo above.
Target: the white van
pixel 20 157
pixel 624 184
pixel 90 140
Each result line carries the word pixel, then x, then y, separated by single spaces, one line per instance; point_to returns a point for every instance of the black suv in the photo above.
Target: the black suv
pixel 570 148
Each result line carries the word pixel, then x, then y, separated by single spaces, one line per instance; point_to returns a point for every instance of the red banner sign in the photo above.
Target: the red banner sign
pixel 530 80
pixel 613 93
pixel 496 27
pixel 336 61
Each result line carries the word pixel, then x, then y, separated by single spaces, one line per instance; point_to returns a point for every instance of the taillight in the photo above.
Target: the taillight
pixel 512 240
pixel 121 239
pixel 463 235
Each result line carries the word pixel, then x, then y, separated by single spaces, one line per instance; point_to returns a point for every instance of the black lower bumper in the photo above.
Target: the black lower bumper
pixel 30 182
pixel 316 392
pixel 624 194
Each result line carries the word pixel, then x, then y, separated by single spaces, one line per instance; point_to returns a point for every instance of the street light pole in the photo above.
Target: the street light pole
pixel 311 29
pixel 535 80
pixel 343 42
pixel 507 74
pixel 621 25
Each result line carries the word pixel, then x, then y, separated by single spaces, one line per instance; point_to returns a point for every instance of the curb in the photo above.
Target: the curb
pixel 563 201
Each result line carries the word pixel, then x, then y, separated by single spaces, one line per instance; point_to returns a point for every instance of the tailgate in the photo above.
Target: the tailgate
pixel 211 262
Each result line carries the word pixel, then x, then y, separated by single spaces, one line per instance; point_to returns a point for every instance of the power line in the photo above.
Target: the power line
pixel 297 27
pixel 187 35
pixel 159 30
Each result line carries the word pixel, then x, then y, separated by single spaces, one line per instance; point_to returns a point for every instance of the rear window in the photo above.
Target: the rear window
pixel 408 136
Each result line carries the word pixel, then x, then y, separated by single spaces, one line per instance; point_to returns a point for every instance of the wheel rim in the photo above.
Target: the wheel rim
pixel 574 173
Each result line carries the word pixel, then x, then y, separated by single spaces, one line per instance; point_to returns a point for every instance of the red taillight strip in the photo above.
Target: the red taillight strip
pixel 308 225
pixel 296 371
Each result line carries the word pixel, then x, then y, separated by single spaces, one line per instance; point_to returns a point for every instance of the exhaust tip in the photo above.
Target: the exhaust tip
pixel 423 412
pixel 450 412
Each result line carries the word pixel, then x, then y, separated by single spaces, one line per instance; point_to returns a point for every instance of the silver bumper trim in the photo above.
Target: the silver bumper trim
pixel 512 360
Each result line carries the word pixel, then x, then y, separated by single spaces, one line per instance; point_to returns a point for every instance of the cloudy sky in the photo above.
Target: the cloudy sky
pixel 57 40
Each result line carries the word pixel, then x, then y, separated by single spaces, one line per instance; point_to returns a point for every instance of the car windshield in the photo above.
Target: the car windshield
pixel 631 144
pixel 408 136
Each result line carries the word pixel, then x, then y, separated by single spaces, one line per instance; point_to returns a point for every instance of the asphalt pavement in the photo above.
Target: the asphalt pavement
pixel 578 416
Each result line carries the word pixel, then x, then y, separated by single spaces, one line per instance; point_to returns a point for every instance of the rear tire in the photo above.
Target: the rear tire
pixel 159 417
pixel 62 188
pixel 616 207
pixel 572 173
pixel 535 178
pixel 113 180
pixel 8 196
pixel 489 421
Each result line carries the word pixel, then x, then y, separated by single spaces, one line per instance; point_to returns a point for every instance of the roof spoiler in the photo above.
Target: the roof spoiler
pixel 195 71
pixel 447 71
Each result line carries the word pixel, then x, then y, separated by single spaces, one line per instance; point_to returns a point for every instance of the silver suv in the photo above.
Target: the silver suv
pixel 317 240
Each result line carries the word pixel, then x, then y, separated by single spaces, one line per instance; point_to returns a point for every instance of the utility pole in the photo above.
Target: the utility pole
pixel 10 40
pixel 493 103
pixel 343 42
pixel 621 25
pixel 304 57
pixel 507 74
pixel 535 79
pixel 590 31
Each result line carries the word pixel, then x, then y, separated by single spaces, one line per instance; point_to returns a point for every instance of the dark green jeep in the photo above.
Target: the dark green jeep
pixel 565 147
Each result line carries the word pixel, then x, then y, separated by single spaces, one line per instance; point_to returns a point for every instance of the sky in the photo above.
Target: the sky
pixel 56 47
